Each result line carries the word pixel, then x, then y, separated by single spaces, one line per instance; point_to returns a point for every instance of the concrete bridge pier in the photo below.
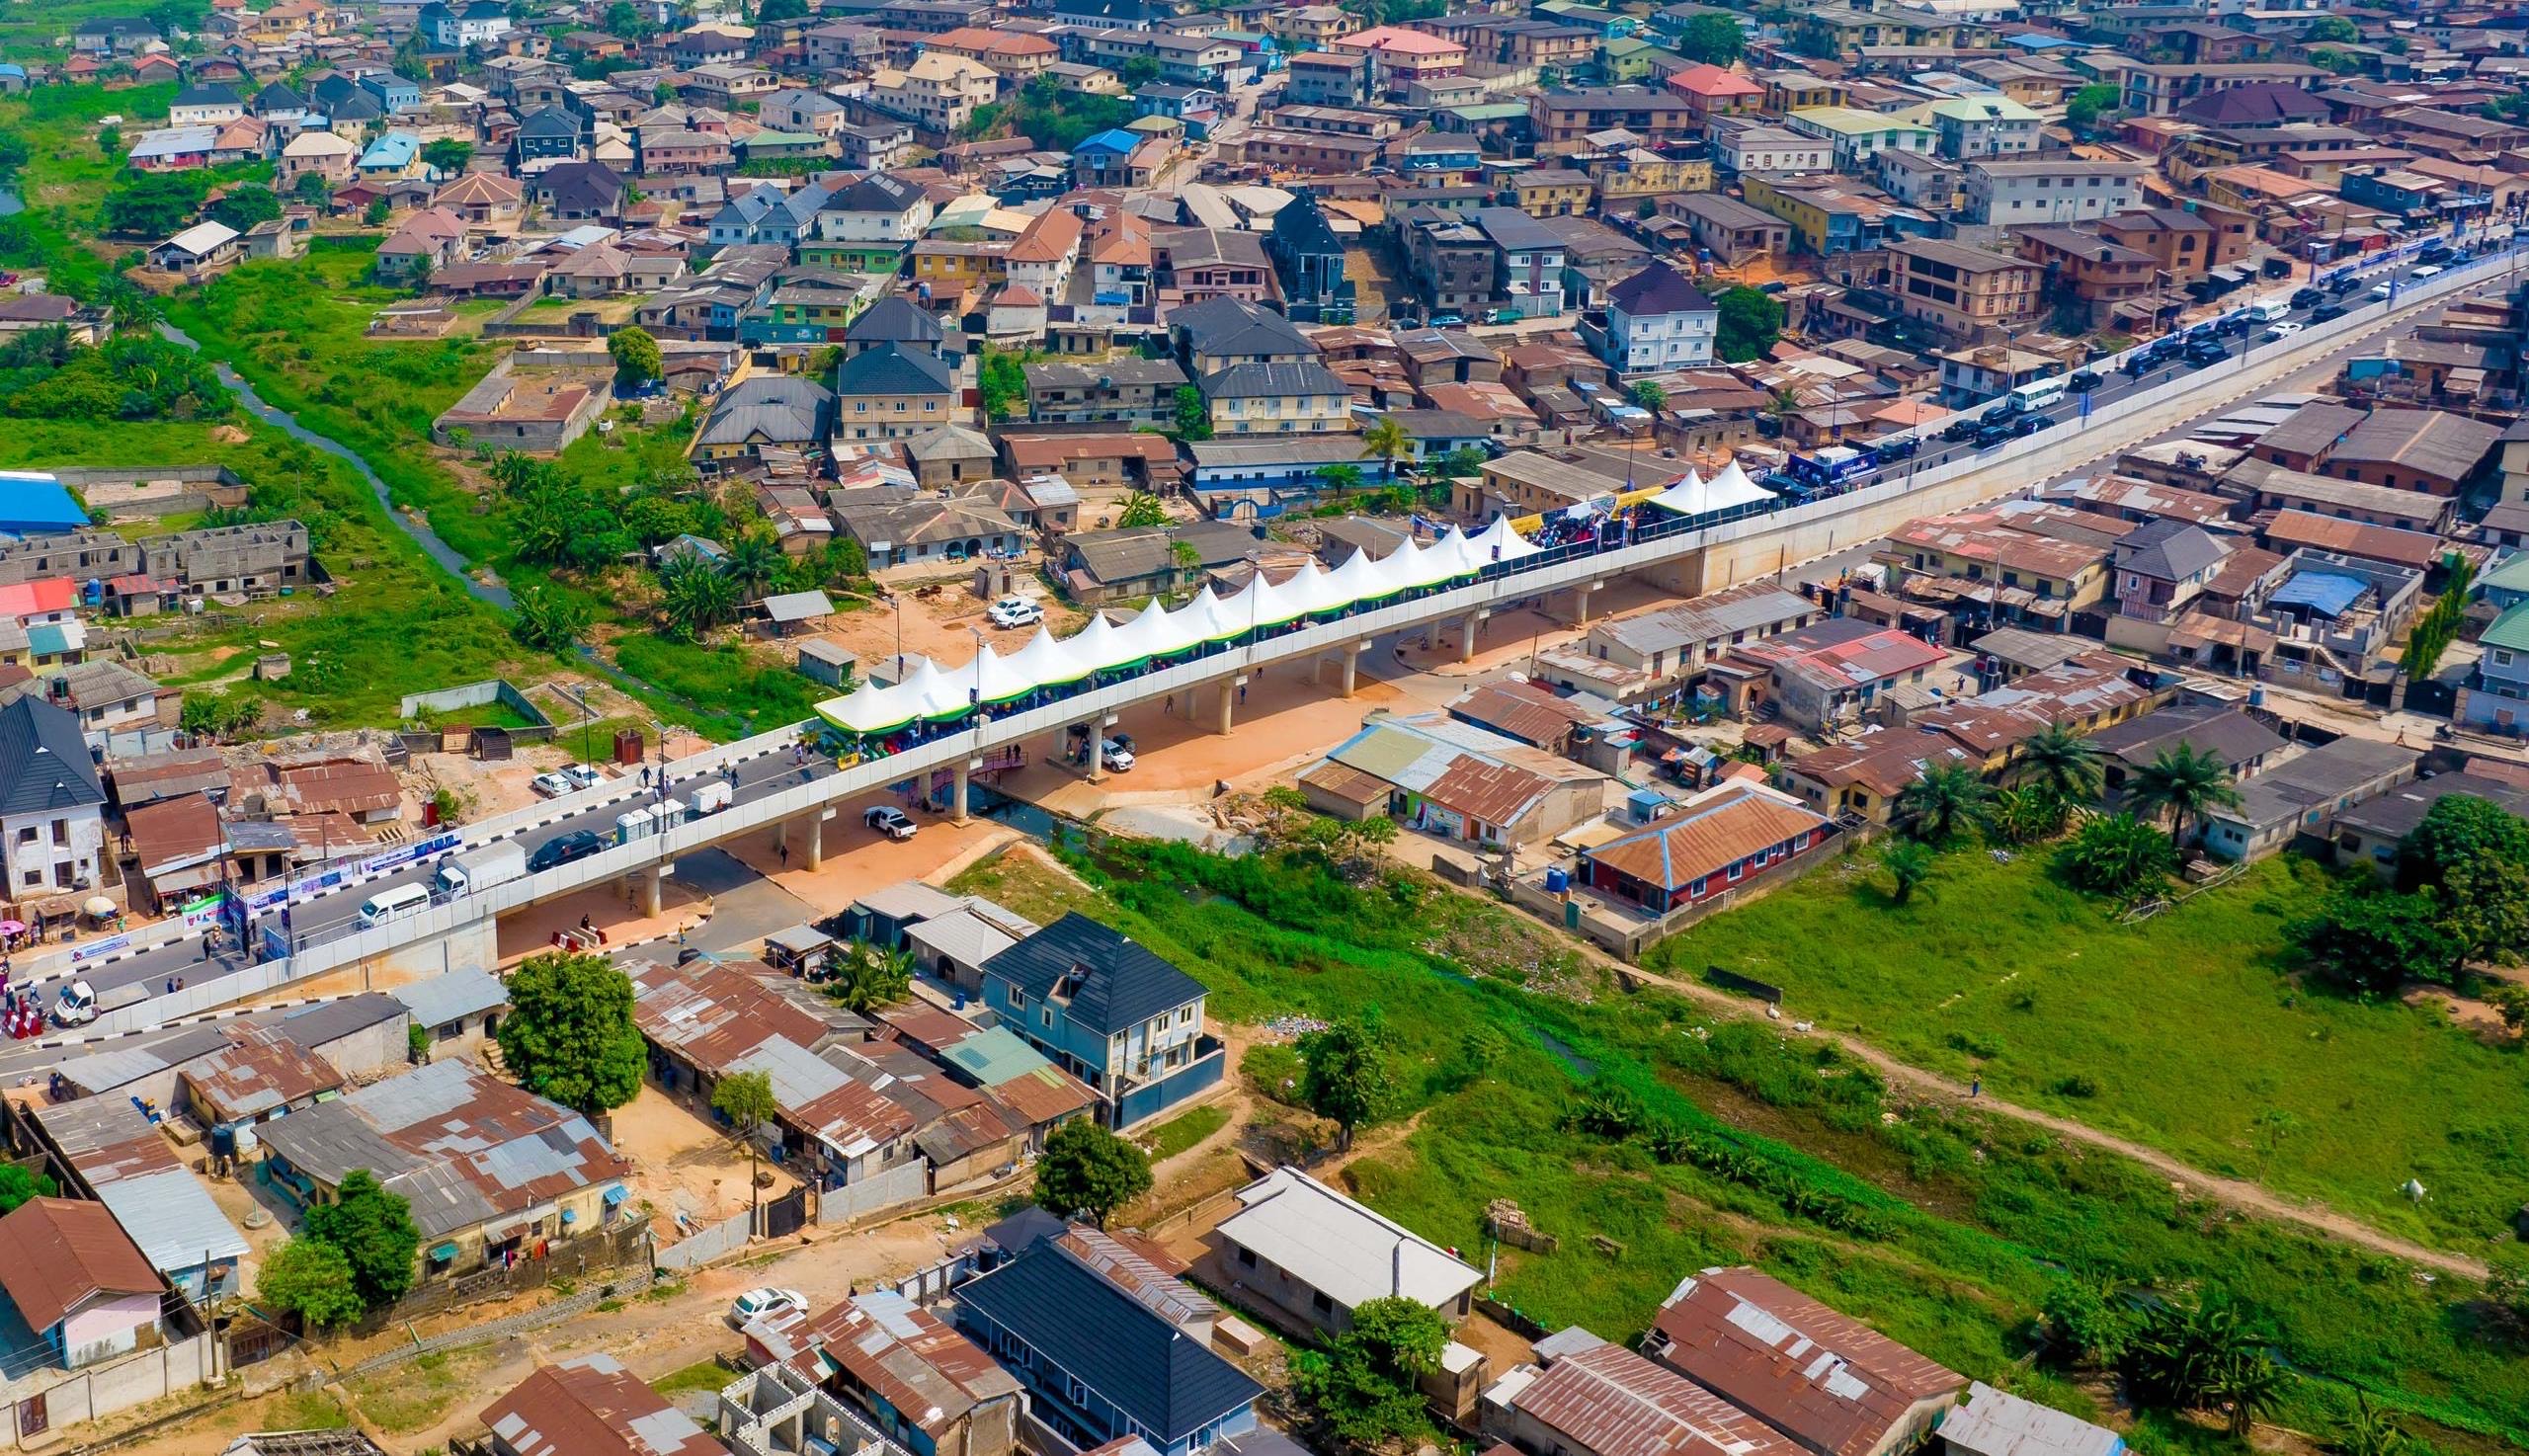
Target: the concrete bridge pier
pixel 651 889
pixel 1229 688
pixel 815 822
pixel 1579 594
pixel 1349 655
pixel 1468 626
pixel 957 790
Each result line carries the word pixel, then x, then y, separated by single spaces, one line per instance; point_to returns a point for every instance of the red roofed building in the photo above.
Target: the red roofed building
pixel 1834 1385
pixel 1714 91
pixel 1606 1401
pixel 1710 844
pixel 591 1407
pixel 78 1282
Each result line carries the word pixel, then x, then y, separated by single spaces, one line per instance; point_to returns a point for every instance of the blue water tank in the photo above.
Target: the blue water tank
pixel 1557 881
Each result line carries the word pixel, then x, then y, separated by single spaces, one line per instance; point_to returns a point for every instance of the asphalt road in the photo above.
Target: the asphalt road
pixel 2115 386
pixel 335 912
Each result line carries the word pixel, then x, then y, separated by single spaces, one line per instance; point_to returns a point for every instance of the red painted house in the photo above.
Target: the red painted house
pixel 1710 844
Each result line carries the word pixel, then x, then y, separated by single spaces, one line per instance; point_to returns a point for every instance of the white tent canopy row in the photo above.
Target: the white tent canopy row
pixel 1692 494
pixel 931 692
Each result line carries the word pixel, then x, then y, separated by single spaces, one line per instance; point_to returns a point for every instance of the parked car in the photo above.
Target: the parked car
pixel 2343 286
pixel 890 820
pixel 1447 320
pixel 2030 424
pixel 582 775
pixel 1016 611
pixel 550 785
pixel 755 1304
pixel 562 848
pixel 1990 435
pixel 2283 330
pixel 1900 449
pixel 2205 352
pixel 1118 755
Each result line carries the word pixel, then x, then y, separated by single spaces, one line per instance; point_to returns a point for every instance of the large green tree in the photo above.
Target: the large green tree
pixel 2372 943
pixel 448 155
pixel 637 358
pixel 2474 855
pixel 312 1279
pixel 374 1231
pixel 2203 1352
pixel 569 1034
pixel 20 1183
pixel 244 205
pixel 1347 1081
pixel 155 205
pixel 746 1099
pixel 1360 1389
pixel 2087 105
pixel 1750 323
pixel 1085 1168
pixel 1714 38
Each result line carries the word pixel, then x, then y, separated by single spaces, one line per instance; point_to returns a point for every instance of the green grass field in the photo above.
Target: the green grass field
pixel 2187 1031
pixel 396 624
pixel 1968 1218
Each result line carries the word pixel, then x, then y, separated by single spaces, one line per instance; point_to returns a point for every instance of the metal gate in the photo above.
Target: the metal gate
pixel 787 1215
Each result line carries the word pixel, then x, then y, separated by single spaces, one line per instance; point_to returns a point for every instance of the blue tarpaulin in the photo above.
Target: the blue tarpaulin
pixel 2325 593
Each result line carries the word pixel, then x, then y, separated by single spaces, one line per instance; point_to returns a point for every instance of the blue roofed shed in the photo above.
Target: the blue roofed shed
pixel 33 503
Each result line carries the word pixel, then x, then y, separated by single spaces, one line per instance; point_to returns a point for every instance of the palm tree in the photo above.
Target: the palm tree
pixel 1947 799
pixel 753 562
pixel 869 978
pixel 1909 863
pixel 2061 762
pixel 1385 440
pixel 2183 784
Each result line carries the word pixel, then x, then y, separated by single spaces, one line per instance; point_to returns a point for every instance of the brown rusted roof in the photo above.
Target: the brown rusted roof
pixel 64 1252
pixel 1829 1382
pixel 1610 1401
pixel 1707 836
pixel 592 1407
pixel 261 1069
pixel 905 1355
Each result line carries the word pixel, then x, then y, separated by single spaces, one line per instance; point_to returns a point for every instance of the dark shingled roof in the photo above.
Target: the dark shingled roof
pixel 1123 984
pixel 44 766
pixel 2259 103
pixel 895 320
pixel 1658 289
pixel 1157 1374
pixel 890 369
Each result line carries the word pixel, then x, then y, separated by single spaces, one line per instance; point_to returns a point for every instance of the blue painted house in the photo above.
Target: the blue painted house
pixel 1109 1012
pixel 392 91
pixel 1102 156
pixel 1099 1364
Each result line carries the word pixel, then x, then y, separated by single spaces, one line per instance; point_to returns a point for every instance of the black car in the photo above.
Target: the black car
pixel 2138 366
pixel 1962 428
pixel 2344 285
pixel 2082 383
pixel 2205 352
pixel 2308 297
pixel 562 848
pixel 1990 435
pixel 1895 449
pixel 2329 314
pixel 2029 424
pixel 2002 412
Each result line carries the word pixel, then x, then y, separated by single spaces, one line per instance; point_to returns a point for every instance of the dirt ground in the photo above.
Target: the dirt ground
pixel 941 627
pixel 684 1163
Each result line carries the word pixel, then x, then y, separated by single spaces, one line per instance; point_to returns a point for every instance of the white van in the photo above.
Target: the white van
pixel 2267 310
pixel 2425 272
pixel 388 906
